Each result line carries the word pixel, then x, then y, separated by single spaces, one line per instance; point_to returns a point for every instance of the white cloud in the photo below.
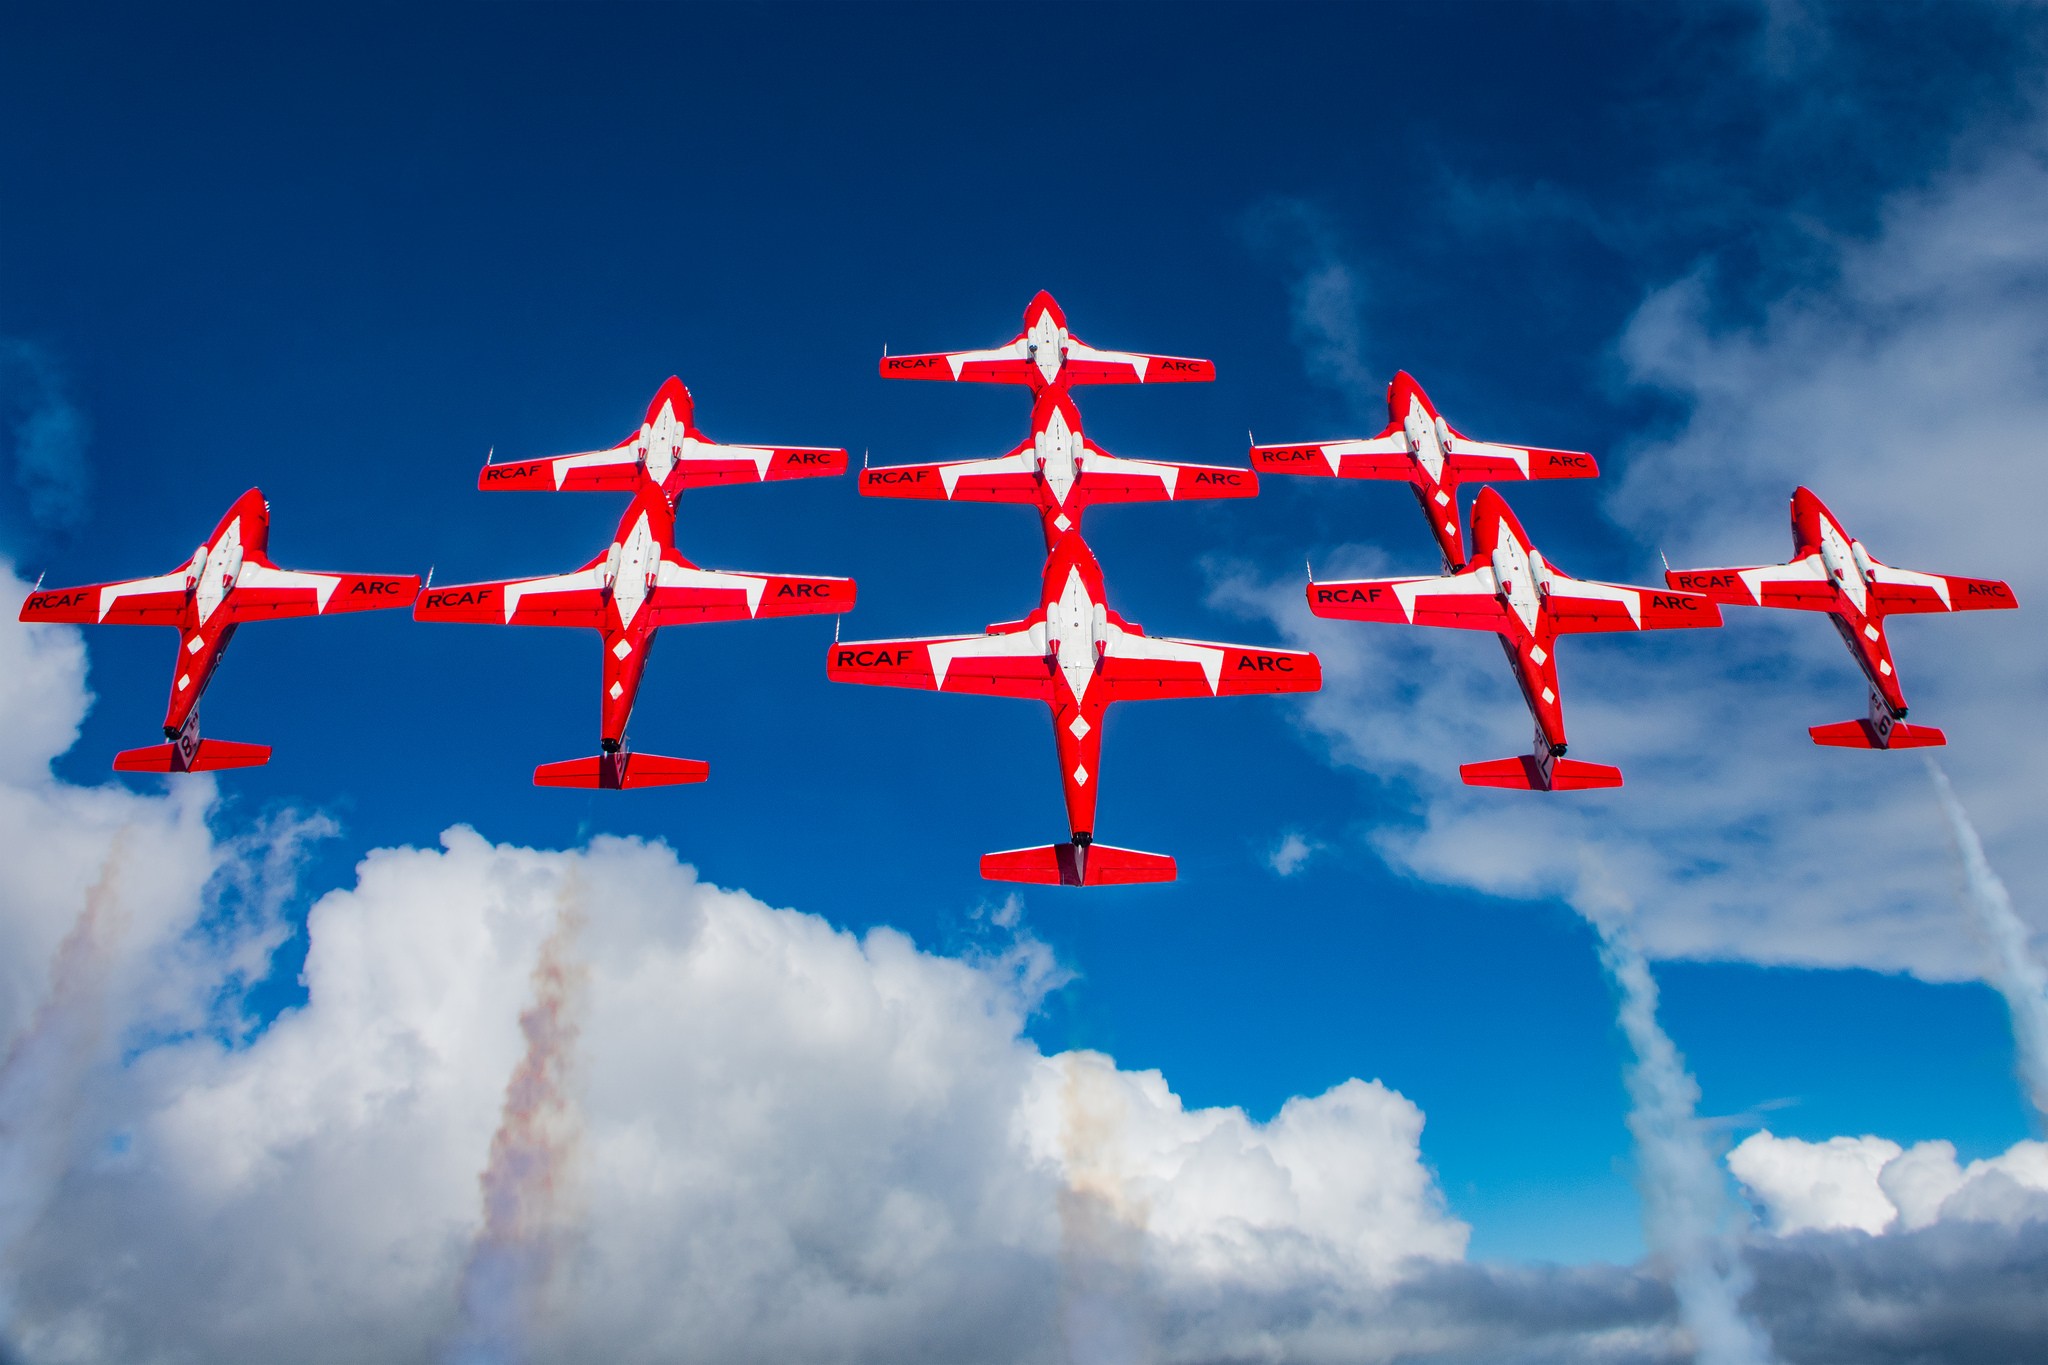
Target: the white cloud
pixel 740 1133
pixel 1873 1185
pixel 1292 853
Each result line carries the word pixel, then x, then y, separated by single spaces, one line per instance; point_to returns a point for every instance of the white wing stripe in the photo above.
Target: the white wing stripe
pixel 173 581
pixel 1122 644
pixel 261 576
pixel 1016 644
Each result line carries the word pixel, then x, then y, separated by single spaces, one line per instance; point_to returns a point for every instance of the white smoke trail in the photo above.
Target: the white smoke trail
pixel 513 1259
pixel 43 1075
pixel 1104 1313
pixel 1688 1217
pixel 2015 972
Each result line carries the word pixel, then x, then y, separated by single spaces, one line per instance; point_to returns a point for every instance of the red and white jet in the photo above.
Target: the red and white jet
pixel 639 584
pixel 1511 590
pixel 1430 455
pixel 1831 571
pixel 1060 471
pixel 667 450
pixel 1044 354
pixel 1077 656
pixel 228 580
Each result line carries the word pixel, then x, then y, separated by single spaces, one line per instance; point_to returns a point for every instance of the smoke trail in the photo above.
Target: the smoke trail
pixel 2015 972
pixel 1103 1309
pixel 42 1078
pixel 1688 1218
pixel 513 1259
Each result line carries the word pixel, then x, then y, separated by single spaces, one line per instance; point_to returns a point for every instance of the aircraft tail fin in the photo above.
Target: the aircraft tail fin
pixel 618 771
pixel 1863 734
pixel 197 756
pixel 1077 865
pixel 1526 772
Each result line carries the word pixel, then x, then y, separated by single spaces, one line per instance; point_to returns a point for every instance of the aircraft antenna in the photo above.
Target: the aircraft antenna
pixel 39 581
pixel 430 579
pixel 885 350
pixel 835 630
pixel 1311 572
pixel 1667 561
pixel 863 457
pixel 490 456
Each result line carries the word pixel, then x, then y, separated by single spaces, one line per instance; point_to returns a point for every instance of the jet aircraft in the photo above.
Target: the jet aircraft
pixel 668 450
pixel 1045 354
pixel 1431 455
pixel 229 580
pixel 639 584
pixel 1060 471
pixel 1831 571
pixel 1510 589
pixel 1077 656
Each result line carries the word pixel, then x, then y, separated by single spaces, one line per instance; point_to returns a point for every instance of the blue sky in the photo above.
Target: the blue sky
pixel 341 254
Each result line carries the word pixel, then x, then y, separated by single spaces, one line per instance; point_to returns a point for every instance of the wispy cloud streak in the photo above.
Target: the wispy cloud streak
pixel 2015 972
pixel 1325 293
pixel 42 435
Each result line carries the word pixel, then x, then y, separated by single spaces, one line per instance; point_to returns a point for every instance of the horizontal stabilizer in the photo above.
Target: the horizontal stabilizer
pixel 202 756
pixel 1861 734
pixel 1077 865
pixel 615 772
pixel 1525 773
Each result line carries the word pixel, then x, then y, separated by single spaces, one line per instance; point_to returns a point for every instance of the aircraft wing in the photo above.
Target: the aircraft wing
pixel 1005 478
pixel 1464 601
pixel 1905 590
pixel 158 601
pixel 1086 365
pixel 687 595
pixel 1139 667
pixel 1015 364
pixel 698 463
pixel 1580 606
pixel 570 599
pixel 1474 460
pixel 616 470
pixel 264 592
pixel 1803 584
pixel 1011 663
pixel 1107 478
pixel 1384 456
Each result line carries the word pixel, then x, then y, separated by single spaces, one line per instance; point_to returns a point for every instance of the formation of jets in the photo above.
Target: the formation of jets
pixel 1074 653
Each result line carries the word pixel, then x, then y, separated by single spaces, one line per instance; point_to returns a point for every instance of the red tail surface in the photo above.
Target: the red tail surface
pixel 200 756
pixel 1077 865
pixel 1526 773
pixel 616 772
pixel 1863 734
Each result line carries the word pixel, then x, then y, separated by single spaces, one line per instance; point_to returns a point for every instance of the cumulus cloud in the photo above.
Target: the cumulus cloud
pixel 1875 1186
